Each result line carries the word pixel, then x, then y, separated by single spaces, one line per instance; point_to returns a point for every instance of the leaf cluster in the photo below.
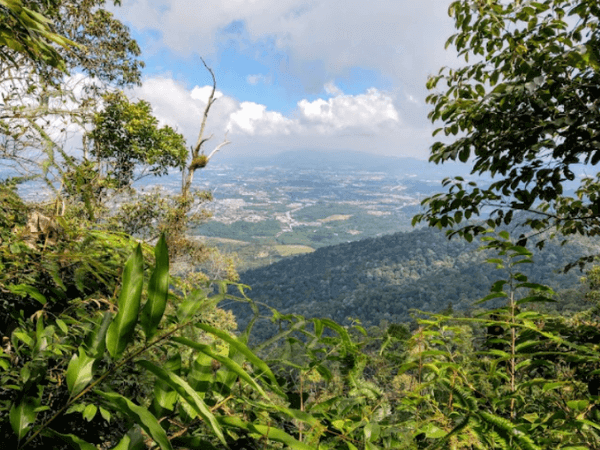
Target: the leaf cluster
pixel 523 113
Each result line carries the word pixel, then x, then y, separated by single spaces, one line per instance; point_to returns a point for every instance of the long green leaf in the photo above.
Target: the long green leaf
pixel 158 290
pixel 188 394
pixel 121 329
pixel 275 434
pixel 242 348
pixel 79 372
pixel 164 396
pixel 74 441
pixel 201 374
pixel 226 361
pixel 21 417
pixel 140 416
pixel 296 326
pixel 95 341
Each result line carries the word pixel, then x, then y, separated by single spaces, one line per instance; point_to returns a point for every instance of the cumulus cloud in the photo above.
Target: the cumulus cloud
pixel 368 111
pixel 367 121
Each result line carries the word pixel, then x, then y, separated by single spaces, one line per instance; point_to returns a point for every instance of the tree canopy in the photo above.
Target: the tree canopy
pixel 126 134
pixel 26 32
pixel 524 111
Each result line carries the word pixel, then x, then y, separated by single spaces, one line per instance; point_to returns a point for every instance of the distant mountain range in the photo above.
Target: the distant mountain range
pixel 348 160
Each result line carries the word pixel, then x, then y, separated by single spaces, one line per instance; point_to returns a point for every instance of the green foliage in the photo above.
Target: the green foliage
pixel 38 97
pixel 242 382
pixel 126 134
pixel 25 31
pixel 46 263
pixel 523 112
pixel 121 328
pixel 511 393
pixel 158 289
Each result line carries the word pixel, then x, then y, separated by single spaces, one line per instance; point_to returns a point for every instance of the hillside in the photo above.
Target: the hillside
pixel 384 278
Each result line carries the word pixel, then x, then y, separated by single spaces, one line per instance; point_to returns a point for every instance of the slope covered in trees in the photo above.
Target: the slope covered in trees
pixel 384 278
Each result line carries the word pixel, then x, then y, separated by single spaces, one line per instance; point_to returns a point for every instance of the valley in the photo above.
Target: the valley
pixel 269 208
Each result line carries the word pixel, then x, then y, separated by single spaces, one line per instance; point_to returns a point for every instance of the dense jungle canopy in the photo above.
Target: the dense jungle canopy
pixel 110 339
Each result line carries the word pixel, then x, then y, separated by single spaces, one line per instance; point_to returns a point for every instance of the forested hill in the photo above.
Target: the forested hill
pixel 385 277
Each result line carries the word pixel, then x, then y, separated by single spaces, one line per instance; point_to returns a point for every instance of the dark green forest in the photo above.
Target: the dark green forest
pixel 111 338
pixel 385 278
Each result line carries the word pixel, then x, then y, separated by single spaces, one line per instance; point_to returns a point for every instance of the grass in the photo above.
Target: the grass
pixel 290 250
pixel 336 217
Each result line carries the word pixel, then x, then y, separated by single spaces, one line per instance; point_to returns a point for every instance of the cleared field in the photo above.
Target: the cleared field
pixel 289 250
pixel 335 217
pixel 221 240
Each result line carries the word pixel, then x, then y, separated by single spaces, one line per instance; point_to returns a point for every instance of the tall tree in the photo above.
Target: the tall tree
pixel 42 105
pixel 524 112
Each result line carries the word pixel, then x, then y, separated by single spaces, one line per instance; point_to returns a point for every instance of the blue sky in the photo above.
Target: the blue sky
pixel 316 74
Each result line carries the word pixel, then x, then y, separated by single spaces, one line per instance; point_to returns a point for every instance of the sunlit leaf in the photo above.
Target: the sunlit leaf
pixel 158 290
pixel 79 372
pixel 121 329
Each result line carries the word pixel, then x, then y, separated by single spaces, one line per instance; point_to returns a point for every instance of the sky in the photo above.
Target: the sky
pixel 328 75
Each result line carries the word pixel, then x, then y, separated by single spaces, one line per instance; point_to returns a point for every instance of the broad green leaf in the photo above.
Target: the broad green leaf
pixel 105 414
pixel 433 432
pixel 186 393
pixel 140 415
pixel 372 431
pixel 250 356
pixel 21 417
pixel 578 405
pixel 24 289
pixel 158 290
pixel 275 434
pixel 164 396
pixel 121 329
pixel 25 338
pixel 79 372
pixel 63 327
pixel 73 441
pixel 90 412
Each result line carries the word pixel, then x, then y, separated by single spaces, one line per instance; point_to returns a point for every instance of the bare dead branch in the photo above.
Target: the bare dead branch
pixel 218 147
pixel 209 103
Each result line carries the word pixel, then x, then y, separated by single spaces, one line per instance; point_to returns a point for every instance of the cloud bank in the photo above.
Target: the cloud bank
pixel 364 122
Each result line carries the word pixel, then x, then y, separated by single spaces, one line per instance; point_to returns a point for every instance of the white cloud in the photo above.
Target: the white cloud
pixel 368 121
pixel 203 93
pixel 368 111
pixel 403 39
pixel 252 118
pixel 332 89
